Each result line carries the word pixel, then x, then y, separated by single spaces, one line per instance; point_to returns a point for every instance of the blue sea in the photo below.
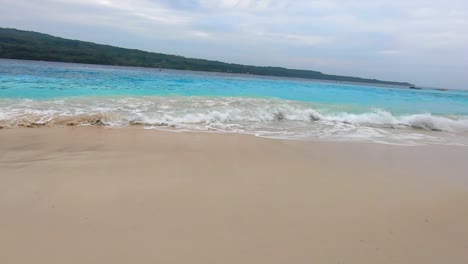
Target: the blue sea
pixel 35 94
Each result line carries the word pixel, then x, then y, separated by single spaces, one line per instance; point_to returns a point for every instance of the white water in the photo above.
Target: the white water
pixel 263 117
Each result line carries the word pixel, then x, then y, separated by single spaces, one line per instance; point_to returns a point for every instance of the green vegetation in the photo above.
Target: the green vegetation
pixel 19 44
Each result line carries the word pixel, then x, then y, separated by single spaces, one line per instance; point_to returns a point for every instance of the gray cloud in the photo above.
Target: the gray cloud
pixel 419 41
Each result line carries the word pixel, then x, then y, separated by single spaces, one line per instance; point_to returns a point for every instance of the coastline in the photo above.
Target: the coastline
pixel 225 74
pixel 100 195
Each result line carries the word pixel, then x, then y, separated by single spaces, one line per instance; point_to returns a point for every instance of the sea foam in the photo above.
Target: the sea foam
pixel 260 116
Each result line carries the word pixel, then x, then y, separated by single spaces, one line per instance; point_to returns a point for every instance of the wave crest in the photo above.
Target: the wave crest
pixel 243 115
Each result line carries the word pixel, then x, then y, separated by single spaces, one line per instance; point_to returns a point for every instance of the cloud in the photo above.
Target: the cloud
pixel 391 52
pixel 353 37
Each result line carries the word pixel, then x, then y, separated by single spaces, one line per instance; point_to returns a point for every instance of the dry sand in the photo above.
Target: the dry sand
pixel 97 195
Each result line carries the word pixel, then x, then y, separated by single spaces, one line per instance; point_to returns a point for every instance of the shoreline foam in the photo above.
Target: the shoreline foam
pixel 265 117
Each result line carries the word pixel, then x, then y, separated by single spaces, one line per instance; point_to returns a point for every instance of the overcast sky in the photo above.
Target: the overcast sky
pixel 420 41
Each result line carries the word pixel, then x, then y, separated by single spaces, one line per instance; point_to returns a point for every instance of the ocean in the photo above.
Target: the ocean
pixel 34 94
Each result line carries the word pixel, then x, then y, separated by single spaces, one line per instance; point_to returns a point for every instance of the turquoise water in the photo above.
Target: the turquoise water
pixel 45 93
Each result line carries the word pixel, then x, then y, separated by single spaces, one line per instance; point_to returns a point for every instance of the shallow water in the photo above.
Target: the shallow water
pixel 46 94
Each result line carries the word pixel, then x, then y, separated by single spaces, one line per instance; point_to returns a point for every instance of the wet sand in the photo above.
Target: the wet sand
pixel 97 195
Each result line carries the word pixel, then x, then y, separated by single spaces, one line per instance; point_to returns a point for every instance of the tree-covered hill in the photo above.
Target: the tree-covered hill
pixel 19 44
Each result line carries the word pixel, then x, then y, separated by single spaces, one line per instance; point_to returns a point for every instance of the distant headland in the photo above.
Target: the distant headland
pixel 28 45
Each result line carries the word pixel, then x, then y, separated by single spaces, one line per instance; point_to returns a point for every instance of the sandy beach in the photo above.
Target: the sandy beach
pixel 99 195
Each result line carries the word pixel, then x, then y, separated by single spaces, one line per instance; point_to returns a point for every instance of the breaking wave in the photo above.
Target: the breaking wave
pixel 263 117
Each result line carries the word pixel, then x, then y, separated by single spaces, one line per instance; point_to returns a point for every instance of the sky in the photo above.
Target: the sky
pixel 420 41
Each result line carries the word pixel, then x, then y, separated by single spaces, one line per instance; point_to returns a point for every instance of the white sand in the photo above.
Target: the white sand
pixel 96 195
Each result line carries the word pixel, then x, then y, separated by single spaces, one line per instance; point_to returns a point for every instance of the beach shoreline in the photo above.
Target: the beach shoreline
pixel 131 195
